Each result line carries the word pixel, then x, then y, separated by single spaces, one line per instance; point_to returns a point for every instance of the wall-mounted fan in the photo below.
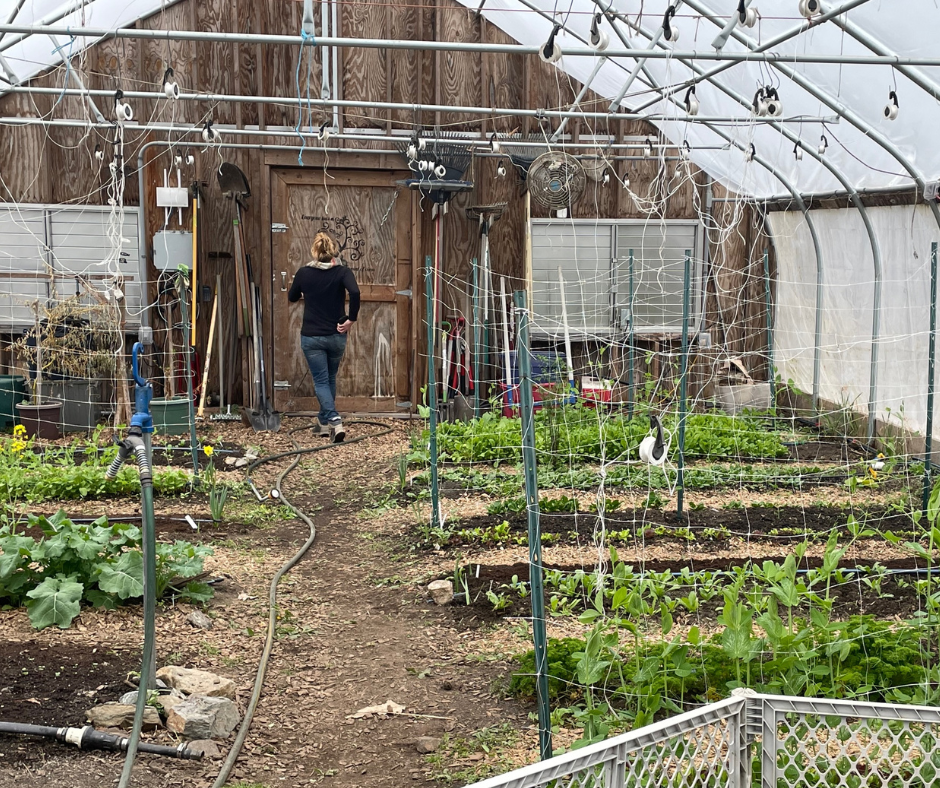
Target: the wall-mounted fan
pixel 556 180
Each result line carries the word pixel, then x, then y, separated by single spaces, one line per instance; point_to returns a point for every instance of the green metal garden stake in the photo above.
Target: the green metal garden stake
pixel 631 348
pixel 526 409
pixel 475 361
pixel 931 359
pixel 193 440
pixel 770 334
pixel 432 393
pixel 684 380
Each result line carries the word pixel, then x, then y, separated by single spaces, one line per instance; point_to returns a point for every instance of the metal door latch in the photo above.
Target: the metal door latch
pixel 280 385
pixel 278 227
pixel 283 281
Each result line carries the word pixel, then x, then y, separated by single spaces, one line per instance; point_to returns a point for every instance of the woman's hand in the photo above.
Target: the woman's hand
pixel 344 327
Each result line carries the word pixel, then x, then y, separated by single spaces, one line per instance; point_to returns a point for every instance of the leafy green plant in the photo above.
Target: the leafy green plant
pixel 99 563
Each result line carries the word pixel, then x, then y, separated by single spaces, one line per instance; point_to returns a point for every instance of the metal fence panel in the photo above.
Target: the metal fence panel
pixel 698 749
pixel 800 743
pixel 810 742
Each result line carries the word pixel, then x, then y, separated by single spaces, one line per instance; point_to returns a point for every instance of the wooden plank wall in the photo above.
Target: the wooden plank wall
pixel 58 165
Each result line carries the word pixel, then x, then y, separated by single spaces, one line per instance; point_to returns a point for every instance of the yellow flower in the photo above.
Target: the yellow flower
pixel 19 429
pixel 208 450
pixel 18 445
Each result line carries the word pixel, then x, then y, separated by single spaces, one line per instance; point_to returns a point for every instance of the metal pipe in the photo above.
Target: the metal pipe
pixel 399 106
pixel 931 371
pixel 631 346
pixel 539 639
pixel 866 128
pixel 22 32
pixel 768 307
pixel 870 191
pixel 476 337
pixel 468 139
pixel 436 520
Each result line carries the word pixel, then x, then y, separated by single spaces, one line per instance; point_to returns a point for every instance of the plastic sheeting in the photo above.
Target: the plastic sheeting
pixel 904 235
pixel 30 55
pixel 861 88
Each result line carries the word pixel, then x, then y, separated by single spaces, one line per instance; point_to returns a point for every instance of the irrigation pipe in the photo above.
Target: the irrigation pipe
pixel 239 742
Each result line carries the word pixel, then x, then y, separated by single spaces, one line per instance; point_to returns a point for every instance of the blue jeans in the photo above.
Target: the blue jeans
pixel 323 355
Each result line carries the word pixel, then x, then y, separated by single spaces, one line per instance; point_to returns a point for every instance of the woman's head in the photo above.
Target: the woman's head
pixel 324 247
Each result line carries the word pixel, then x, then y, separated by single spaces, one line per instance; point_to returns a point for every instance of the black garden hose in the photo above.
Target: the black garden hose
pixel 242 735
pixel 88 738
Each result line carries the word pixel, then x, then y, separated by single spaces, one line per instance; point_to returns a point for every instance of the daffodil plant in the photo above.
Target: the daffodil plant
pixel 218 491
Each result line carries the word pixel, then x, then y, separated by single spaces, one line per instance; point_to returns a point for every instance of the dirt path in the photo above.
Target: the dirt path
pixel 351 635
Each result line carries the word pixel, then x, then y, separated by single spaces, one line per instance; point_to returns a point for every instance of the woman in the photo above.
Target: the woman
pixel 323 283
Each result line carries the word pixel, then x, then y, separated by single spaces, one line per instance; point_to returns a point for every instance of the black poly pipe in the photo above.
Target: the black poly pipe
pixel 88 738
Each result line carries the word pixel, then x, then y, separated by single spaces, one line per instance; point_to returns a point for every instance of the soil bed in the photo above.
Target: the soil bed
pixel 41 684
pixel 781 524
pixel 850 598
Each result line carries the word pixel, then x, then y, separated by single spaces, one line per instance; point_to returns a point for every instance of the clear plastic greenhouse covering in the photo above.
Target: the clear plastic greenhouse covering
pixel 907 28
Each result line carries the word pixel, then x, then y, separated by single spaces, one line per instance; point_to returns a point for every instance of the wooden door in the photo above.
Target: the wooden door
pixel 369 214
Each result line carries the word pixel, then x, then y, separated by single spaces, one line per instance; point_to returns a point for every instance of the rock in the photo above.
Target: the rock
pixel 442 592
pixel 197 682
pixel 427 744
pixel 120 715
pixel 230 460
pixel 166 700
pixel 174 698
pixel 199 619
pixel 199 717
pixel 207 747
pixel 241 462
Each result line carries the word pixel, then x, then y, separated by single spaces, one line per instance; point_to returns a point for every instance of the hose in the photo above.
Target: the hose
pixel 88 738
pixel 242 735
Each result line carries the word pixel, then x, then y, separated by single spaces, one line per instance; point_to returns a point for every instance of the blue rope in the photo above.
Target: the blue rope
pixel 304 38
pixel 68 68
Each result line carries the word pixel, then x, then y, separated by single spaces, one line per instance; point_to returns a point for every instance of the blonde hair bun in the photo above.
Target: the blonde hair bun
pixel 324 247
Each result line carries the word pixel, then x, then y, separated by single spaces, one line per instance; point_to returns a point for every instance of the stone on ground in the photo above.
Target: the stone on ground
pixel 197 682
pixel 120 715
pixel 427 744
pixel 199 620
pixel 199 717
pixel 442 592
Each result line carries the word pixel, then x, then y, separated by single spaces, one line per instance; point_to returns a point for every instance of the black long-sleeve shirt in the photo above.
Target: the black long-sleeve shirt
pixel 324 291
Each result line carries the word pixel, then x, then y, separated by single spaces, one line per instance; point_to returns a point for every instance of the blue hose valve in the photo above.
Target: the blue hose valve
pixel 143 393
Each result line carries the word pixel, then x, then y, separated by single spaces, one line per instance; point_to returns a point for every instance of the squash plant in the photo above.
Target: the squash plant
pixel 98 563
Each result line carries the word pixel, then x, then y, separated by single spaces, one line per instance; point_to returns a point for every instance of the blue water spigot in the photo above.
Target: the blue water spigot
pixel 143 393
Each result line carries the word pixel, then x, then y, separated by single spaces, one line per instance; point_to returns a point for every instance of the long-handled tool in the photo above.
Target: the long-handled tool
pixel 205 371
pixel 224 384
pixel 262 418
